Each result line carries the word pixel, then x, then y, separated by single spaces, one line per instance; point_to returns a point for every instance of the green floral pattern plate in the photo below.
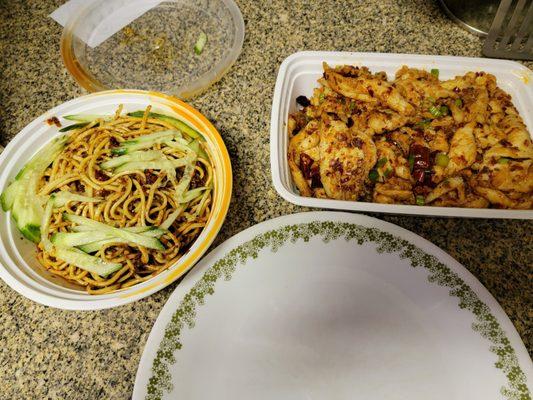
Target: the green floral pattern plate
pixel 328 305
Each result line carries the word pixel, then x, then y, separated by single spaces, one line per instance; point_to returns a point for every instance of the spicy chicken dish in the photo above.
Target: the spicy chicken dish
pixel 411 140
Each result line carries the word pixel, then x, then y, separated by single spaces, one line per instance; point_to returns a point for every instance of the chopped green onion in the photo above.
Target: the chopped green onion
pixel 424 123
pixel 442 160
pixel 381 162
pixel 411 162
pixel 321 97
pixel 435 111
pixel 503 160
pixel 200 43
pixel 435 72
pixel 458 102
pixel 373 175
pixel 420 201
pixel 352 105
pixel 444 110
pixel 387 172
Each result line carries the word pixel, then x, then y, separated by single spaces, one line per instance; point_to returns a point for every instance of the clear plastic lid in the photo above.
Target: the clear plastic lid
pixel 179 47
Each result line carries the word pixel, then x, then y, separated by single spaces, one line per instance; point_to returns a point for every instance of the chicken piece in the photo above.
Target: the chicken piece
pixel 487 135
pixel 394 190
pixel 418 86
pixel 476 106
pixel 462 149
pixel 446 186
pixel 304 142
pixel 367 88
pixel 458 113
pixel 390 160
pixel 517 143
pixel 379 122
pixel 345 160
pixel 401 138
pixel 512 176
pixel 439 142
pixel 495 197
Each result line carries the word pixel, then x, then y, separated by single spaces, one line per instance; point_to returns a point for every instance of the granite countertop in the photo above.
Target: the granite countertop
pixel 48 353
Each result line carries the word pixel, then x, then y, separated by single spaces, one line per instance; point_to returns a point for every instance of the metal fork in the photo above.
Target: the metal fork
pixel 511 32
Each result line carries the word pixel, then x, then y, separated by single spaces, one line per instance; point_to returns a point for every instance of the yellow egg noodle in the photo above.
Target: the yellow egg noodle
pixel 159 191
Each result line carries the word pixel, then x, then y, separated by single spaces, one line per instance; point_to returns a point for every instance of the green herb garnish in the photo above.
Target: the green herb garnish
pixel 373 175
pixel 200 43
pixel 381 162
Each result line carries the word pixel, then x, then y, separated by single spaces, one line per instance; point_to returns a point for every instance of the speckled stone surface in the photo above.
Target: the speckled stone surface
pixel 52 354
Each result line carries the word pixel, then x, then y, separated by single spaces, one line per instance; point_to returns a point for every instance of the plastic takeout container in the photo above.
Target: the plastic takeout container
pixel 298 75
pixel 19 267
pixel 149 44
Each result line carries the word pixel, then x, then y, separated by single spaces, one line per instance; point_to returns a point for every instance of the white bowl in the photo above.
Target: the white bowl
pixel 19 267
pixel 299 73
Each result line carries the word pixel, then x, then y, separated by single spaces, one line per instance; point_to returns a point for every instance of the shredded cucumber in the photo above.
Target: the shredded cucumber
pixel 45 223
pixel 62 198
pixel 147 155
pixel 163 164
pixel 181 125
pixel 93 247
pixel 88 117
pixel 87 262
pixel 191 195
pixel 73 239
pixel 145 141
pixel 74 126
pixel 150 231
pixel 96 245
pixel 132 237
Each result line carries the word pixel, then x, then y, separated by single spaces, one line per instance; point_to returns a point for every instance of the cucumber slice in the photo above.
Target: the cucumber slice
pixel 172 217
pixel 74 126
pixel 181 125
pixel 87 262
pixel 93 247
pixel 62 198
pixel 148 155
pixel 87 117
pixel 45 223
pixel 146 141
pixel 136 238
pixel 27 209
pixel 8 196
pixel 150 231
pixel 200 43
pixel 198 149
pixel 21 196
pixel 192 194
pixel 72 239
pixel 97 245
pixel 185 181
pixel 163 164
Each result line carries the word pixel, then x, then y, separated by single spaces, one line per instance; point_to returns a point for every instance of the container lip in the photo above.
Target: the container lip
pixel 301 62
pixel 22 278
pixel 90 83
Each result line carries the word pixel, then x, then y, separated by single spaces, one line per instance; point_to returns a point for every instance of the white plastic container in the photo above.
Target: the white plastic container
pixel 19 267
pixel 298 75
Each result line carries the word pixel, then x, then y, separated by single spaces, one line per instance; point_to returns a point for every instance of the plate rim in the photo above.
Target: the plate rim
pixel 144 371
